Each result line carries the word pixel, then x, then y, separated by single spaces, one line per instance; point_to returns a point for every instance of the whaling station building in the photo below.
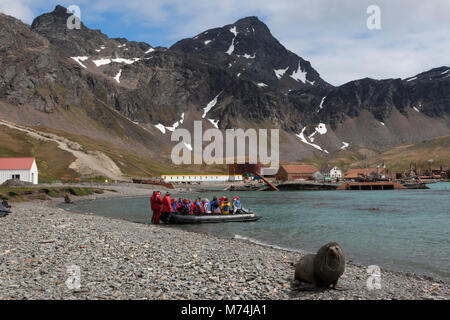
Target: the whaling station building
pixel 23 169
pixel 201 178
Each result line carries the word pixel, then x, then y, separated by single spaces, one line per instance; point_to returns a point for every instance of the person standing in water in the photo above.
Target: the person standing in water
pixel 166 208
pixel 155 204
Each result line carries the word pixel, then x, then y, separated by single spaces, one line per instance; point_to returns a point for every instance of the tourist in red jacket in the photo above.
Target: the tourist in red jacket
pixel 155 203
pixel 166 208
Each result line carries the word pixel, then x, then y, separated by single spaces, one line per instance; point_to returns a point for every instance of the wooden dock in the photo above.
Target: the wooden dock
pixel 306 186
pixel 271 185
pixel 370 186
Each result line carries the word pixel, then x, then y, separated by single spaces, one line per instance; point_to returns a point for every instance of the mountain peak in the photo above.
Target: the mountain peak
pixel 251 20
pixel 247 49
pixel 59 10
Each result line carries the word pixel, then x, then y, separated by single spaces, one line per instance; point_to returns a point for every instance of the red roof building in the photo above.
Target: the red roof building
pixel 296 172
pixel 365 173
pixel 24 169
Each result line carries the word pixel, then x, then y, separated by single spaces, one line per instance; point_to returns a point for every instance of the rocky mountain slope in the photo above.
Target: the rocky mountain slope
pixel 132 95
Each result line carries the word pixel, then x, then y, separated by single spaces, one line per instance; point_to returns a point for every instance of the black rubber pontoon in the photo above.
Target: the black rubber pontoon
pixel 176 218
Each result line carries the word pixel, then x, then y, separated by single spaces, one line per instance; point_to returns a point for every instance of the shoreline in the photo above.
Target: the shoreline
pixel 354 260
pixel 121 259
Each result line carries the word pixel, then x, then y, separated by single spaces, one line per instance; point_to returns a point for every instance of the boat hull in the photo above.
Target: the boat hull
pixel 194 219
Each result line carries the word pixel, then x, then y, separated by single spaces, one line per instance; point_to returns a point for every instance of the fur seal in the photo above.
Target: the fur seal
pixel 322 269
pixel 304 269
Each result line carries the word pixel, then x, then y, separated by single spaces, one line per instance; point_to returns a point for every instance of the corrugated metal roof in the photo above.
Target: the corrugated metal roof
pixel 354 173
pixel 16 163
pixel 299 168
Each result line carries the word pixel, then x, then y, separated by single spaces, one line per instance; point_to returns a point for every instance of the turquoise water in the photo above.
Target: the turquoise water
pixel 409 230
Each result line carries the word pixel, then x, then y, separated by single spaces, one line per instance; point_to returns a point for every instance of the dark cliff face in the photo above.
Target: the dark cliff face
pixel 258 79
pixel 248 50
pixel 83 41
pixel 428 93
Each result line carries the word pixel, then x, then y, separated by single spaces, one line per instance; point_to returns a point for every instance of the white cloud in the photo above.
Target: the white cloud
pixel 332 35
pixel 17 9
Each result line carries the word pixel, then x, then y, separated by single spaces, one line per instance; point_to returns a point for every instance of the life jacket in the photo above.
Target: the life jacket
pixel 226 207
pixel 174 206
pixel 199 209
pixel 214 205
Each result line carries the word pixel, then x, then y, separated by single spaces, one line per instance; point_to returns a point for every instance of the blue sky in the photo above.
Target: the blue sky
pixel 331 34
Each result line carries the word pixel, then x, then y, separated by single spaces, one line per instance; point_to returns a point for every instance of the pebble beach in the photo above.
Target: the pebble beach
pixel 118 259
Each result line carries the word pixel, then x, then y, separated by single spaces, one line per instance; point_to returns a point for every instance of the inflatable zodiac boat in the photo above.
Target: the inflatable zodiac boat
pixel 240 216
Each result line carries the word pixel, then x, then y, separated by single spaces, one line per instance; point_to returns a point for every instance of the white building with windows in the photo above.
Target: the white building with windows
pixel 335 173
pixel 23 169
pixel 201 178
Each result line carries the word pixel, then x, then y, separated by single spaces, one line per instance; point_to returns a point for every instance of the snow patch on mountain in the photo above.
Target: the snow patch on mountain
pixel 345 145
pixel 176 124
pixel 299 74
pixel 207 41
pixel 301 135
pixel 231 48
pixel 104 61
pixel 280 72
pixel 247 56
pixel 210 105
pixel 321 128
pixel 127 61
pixel 415 109
pixel 215 123
pixel 117 77
pixel 101 62
pixel 321 104
pixel 149 50
pixel 161 128
pixel 262 85
pixel 79 59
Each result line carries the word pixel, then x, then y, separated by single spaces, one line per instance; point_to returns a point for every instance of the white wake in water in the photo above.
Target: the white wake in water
pixel 251 240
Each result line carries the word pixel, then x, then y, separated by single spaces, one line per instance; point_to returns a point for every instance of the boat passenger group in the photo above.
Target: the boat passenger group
pixel 163 207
